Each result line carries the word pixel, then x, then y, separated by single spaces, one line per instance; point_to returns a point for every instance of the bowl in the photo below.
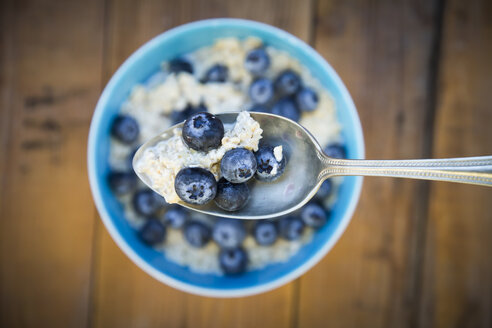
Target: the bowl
pixel 137 69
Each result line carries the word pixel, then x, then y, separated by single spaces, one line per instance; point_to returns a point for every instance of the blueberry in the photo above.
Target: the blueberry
pixel 259 108
pixel 216 73
pixel 231 196
pixel 196 233
pixel 195 185
pixel 233 261
pixel 268 167
pixel 146 202
pixel 287 83
pixel 313 215
pixel 325 190
pixel 307 99
pixel 203 132
pixel 122 182
pixel 178 65
pixel 180 116
pixel 291 227
pixel 176 216
pixel 335 150
pixel 152 232
pixel 257 61
pixel 261 91
pixel 125 129
pixel 228 233
pixel 286 107
pixel 265 232
pixel 238 165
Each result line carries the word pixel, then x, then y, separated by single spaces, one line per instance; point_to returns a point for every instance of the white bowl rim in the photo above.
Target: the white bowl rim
pixel 190 288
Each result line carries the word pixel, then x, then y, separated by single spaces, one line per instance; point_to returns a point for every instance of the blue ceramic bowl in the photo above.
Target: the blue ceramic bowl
pixel 139 67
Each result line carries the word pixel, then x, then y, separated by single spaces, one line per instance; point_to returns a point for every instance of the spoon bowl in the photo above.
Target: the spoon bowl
pixel 294 188
pixel 307 167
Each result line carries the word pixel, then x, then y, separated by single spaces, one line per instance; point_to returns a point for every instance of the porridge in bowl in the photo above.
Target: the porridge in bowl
pixel 230 75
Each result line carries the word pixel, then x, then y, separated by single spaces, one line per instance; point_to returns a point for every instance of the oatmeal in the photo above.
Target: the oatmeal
pixel 162 162
pixel 218 79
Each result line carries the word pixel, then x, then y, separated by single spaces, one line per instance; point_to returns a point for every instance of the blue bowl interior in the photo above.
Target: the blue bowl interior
pixel 146 61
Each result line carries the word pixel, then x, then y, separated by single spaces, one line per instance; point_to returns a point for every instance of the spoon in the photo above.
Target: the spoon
pixel 307 167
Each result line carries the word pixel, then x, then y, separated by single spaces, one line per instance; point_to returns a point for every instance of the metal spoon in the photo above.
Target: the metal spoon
pixel 307 167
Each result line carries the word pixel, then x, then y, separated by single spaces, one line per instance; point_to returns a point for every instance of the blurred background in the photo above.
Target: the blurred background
pixel 416 254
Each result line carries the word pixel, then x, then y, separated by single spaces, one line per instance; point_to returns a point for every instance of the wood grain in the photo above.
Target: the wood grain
pixel 126 296
pixel 416 254
pixel 6 74
pixel 382 50
pixel 52 63
pixel 457 290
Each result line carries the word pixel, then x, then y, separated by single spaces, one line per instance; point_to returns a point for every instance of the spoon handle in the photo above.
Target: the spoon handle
pixel 471 170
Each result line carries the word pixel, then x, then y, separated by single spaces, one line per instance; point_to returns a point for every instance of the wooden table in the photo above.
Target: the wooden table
pixel 416 254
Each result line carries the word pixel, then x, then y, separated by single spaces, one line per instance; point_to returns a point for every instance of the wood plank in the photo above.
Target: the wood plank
pixel 457 288
pixel 47 213
pixel 382 50
pixel 6 54
pixel 273 309
pixel 143 301
pixel 125 296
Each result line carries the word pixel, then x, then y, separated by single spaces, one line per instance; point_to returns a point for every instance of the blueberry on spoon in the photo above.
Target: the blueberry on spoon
pixel 238 165
pixel 231 196
pixel 203 132
pixel 195 185
pixel 270 163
